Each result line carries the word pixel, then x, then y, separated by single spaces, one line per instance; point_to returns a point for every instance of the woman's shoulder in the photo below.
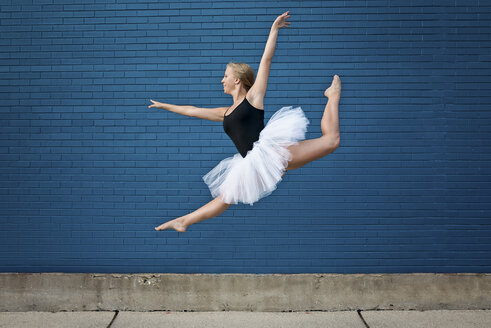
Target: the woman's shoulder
pixel 255 100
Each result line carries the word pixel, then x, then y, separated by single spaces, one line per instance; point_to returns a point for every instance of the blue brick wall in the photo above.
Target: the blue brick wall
pixel 87 170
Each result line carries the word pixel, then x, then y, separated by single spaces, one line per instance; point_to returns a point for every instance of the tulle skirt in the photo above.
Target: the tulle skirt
pixel 250 178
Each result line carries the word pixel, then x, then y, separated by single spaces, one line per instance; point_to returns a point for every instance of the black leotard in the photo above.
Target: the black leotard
pixel 243 126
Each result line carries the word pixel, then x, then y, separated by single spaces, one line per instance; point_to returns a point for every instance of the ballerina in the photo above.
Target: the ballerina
pixel 265 152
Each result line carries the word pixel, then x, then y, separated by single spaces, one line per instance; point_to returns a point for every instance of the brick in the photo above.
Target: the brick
pixel 85 161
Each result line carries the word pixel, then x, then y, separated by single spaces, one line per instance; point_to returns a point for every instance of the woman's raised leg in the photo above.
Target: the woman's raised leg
pixel 309 150
pixel 207 211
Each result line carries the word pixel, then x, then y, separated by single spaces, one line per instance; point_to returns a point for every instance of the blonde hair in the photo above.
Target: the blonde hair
pixel 243 72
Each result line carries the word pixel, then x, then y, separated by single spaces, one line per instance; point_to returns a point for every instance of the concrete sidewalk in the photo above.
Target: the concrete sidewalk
pixel 344 319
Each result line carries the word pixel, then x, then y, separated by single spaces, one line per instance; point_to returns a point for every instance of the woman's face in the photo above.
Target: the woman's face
pixel 228 81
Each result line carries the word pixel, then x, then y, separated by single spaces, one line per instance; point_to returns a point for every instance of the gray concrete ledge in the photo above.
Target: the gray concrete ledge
pixel 56 292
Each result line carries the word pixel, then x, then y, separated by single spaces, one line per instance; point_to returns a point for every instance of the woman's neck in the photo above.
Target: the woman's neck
pixel 239 95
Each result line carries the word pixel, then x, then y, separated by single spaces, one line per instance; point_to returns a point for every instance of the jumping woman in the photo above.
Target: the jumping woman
pixel 265 152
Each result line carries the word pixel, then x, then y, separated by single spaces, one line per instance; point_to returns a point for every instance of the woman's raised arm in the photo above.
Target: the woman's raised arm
pixel 258 90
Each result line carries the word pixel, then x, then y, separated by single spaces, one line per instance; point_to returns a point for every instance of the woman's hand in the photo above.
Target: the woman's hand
pixel 155 104
pixel 281 21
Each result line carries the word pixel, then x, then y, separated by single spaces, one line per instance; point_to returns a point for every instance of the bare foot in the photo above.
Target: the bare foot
pixel 334 91
pixel 176 224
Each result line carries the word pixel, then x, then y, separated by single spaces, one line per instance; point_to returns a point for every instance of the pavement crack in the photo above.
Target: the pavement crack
pixel 115 315
pixel 362 319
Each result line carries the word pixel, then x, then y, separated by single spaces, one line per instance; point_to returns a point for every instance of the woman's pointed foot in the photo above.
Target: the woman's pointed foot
pixel 334 91
pixel 176 224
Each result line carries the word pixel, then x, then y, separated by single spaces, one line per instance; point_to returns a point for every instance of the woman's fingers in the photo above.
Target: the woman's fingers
pixel 281 20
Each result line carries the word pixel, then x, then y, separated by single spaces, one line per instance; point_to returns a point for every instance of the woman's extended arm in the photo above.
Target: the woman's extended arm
pixel 183 110
pixel 212 114
pixel 258 90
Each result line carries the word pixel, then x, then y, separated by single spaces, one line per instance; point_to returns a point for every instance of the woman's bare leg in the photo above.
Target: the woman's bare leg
pixel 307 151
pixel 207 211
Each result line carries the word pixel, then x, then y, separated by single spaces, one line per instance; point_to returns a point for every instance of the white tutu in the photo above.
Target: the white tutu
pixel 248 179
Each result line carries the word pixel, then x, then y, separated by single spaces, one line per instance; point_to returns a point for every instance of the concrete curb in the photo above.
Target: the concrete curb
pixel 243 292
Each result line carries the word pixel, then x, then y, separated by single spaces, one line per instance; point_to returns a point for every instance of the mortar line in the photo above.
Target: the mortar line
pixel 362 319
pixel 115 315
